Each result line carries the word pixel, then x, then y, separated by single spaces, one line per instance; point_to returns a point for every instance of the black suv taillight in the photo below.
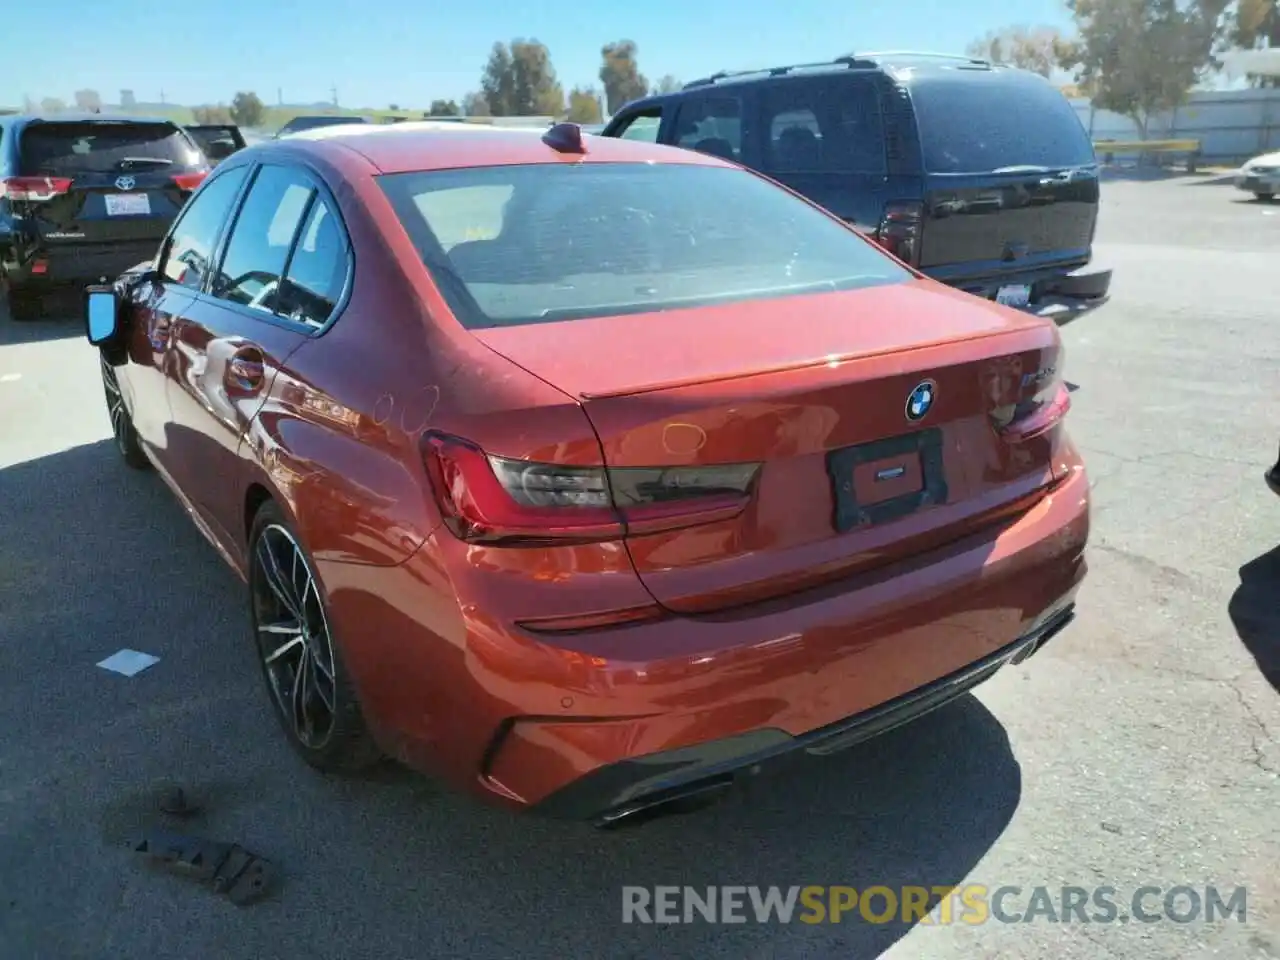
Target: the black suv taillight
pixel 899 230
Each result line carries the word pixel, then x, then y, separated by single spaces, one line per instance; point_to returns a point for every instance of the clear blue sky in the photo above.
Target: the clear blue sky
pixel 383 51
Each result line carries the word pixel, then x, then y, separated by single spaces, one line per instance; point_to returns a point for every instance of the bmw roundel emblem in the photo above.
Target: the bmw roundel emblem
pixel 920 400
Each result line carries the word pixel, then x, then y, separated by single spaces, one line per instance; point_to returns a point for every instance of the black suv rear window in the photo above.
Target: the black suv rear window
pixel 103 147
pixel 988 123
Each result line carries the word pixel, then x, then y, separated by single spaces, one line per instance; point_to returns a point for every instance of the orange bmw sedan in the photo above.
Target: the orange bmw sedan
pixel 590 475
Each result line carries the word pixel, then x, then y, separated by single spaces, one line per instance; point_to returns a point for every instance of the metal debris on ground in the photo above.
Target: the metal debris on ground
pixel 241 876
pixel 177 803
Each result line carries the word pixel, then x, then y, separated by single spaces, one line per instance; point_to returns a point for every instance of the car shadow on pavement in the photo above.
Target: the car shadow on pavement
pixel 1255 611
pixel 100 557
pixel 61 320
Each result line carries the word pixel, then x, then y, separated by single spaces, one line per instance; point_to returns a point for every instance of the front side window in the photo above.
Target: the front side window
pixel 545 242
pixel 711 125
pixel 643 126
pixel 195 235
pixel 260 240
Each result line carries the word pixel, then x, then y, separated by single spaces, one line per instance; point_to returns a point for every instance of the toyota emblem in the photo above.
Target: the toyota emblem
pixel 126 183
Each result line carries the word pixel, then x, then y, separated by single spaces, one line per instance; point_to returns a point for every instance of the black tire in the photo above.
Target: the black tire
pixel 1264 197
pixel 122 431
pixel 328 732
pixel 24 303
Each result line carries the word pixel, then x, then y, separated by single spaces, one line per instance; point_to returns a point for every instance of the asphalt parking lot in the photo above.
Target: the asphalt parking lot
pixel 1142 747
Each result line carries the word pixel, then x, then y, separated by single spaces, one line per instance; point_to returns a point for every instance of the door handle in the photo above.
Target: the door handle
pixel 246 371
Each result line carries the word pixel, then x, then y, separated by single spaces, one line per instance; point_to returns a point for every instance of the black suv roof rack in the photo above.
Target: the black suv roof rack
pixel 852 61
pixel 926 55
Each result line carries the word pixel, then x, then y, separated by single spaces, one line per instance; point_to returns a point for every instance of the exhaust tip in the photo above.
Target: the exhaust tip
pixel 1044 633
pixel 675 802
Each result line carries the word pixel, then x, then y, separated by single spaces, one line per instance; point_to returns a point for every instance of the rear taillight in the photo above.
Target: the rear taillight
pixel 899 231
pixel 488 499
pixel 189 181
pixel 1037 415
pixel 34 189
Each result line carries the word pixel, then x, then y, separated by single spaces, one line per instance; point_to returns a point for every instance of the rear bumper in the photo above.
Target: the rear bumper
pixel 449 686
pixel 619 790
pixel 84 263
pixel 1061 294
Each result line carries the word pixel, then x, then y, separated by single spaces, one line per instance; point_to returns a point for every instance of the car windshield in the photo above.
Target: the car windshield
pixel 981 127
pixel 543 242
pixel 104 147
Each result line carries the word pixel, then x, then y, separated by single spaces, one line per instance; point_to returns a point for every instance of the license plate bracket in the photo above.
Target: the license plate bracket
pixel 1014 295
pixel 842 464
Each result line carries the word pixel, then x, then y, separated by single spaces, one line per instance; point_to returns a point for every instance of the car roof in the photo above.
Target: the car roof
pixel 86 117
pixel 427 145
pixel 906 66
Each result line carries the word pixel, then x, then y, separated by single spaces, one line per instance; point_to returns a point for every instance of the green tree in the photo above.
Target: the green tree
pixel 667 84
pixel 536 90
pixel 212 114
pixel 1256 23
pixel 247 110
pixel 584 105
pixel 444 108
pixel 475 105
pixel 1140 57
pixel 622 79
pixel 1030 48
pixel 497 82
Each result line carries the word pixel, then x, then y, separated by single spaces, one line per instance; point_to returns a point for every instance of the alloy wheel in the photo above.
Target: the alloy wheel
pixel 293 637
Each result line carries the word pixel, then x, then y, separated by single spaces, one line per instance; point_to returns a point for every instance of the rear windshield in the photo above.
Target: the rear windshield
pixel 991 123
pixel 104 147
pixel 544 242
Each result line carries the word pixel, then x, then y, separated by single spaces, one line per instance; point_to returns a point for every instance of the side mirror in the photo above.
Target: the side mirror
pixel 101 314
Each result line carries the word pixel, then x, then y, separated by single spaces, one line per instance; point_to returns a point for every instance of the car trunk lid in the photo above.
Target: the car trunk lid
pixel 818 391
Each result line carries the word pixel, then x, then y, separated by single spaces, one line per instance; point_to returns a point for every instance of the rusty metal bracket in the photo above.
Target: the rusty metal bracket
pixel 241 876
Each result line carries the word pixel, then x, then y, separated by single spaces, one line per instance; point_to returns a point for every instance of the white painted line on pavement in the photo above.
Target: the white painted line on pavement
pixel 130 663
pixel 10 377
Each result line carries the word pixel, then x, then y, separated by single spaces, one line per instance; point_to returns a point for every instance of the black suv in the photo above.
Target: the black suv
pixel 978 175
pixel 298 124
pixel 84 198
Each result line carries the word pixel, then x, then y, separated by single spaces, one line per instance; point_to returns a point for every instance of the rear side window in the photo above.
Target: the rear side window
pixel 569 241
pixel 711 125
pixel 104 147
pixel 317 269
pixel 823 125
pixel 195 235
pixel 990 122
pixel 260 240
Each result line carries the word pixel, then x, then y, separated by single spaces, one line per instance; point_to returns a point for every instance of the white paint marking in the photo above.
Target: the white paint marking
pixel 10 377
pixel 130 663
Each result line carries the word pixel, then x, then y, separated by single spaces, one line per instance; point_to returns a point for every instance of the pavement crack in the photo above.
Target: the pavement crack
pixel 1259 758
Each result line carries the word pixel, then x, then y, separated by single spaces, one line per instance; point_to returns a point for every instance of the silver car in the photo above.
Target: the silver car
pixel 1261 176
